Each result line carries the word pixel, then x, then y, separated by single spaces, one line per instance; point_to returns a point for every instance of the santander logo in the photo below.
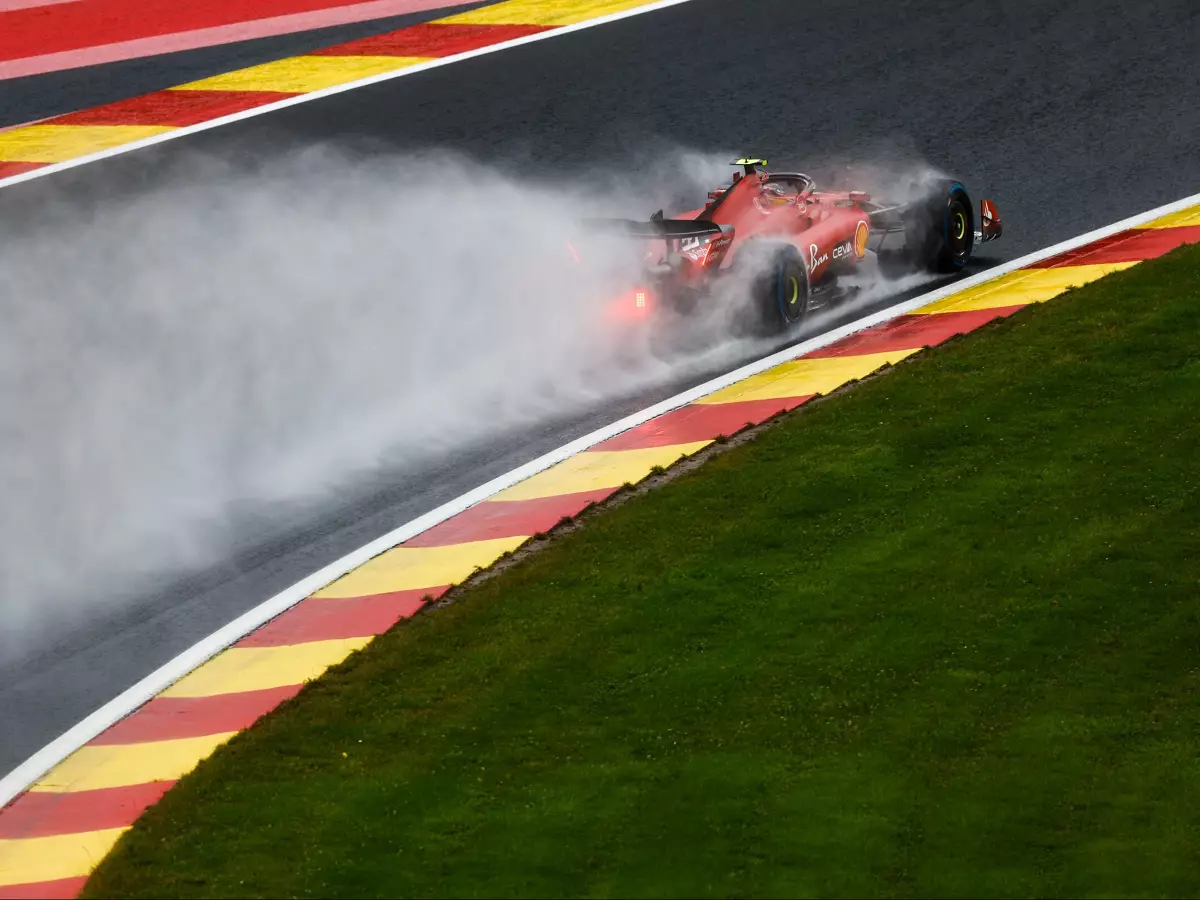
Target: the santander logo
pixel 816 258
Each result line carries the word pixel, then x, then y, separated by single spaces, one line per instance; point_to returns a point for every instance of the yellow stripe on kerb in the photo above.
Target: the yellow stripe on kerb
pixel 549 13
pixel 302 74
pixel 412 568
pixel 600 469
pixel 1189 216
pixel 1023 286
pixel 30 860
pixel 57 143
pixel 803 377
pixel 259 668
pixel 108 766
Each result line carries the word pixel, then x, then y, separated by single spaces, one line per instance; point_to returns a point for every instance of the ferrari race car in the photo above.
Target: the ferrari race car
pixel 793 243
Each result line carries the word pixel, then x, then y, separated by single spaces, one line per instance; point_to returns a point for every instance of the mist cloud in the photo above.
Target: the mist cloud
pixel 247 338
pixel 238 339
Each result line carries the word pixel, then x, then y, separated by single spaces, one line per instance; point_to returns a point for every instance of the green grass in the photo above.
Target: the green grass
pixel 936 636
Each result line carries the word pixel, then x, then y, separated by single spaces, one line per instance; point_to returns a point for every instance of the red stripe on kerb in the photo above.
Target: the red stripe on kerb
pixel 178 108
pixel 700 422
pixel 171 718
pixel 912 332
pixel 62 889
pixel 1129 246
pixel 44 814
pixel 494 519
pixel 79 26
pixel 432 40
pixel 328 618
pixel 168 718
pixel 8 169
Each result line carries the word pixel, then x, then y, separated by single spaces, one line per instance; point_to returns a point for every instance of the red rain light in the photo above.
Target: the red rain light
pixel 637 304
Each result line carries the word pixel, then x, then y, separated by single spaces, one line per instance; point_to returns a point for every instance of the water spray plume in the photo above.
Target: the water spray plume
pixel 239 347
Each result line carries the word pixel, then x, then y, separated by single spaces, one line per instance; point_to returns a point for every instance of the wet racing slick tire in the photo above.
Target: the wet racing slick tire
pixel 939 233
pixel 952 243
pixel 781 294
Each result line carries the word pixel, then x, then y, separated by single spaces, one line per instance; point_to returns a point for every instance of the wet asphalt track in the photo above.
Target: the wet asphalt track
pixel 1071 114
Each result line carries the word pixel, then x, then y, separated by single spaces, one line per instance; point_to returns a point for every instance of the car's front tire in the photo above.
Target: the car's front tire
pixel 939 233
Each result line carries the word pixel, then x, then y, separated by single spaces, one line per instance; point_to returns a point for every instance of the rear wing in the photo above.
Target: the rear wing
pixel 657 228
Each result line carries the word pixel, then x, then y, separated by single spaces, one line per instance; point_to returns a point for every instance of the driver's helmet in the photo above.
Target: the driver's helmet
pixel 774 194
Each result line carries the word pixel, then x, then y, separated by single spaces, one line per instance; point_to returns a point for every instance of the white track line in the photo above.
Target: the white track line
pixel 328 92
pixel 153 684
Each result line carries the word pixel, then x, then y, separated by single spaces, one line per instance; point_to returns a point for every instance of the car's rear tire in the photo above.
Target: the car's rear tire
pixel 780 292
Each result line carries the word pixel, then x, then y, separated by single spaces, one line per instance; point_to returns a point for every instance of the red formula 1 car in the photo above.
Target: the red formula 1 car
pixel 794 243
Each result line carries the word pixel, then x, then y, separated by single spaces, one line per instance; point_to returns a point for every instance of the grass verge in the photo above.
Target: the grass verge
pixel 935 636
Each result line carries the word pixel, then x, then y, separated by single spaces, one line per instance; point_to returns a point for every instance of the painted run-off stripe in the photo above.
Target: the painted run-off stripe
pixel 13 169
pixel 912 332
pixel 341 618
pixel 1023 287
pixel 807 376
pixel 40 814
pixel 59 889
pixel 27 862
pixel 700 422
pixel 599 470
pixel 50 143
pixel 434 39
pixel 173 108
pixel 248 668
pixel 494 519
pixel 407 568
pixel 110 766
pixel 547 13
pixel 1127 247
pixel 304 74
pixel 1183 218
pixel 169 718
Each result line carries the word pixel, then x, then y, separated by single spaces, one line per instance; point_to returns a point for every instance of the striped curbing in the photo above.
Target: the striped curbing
pixel 157 115
pixel 55 833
